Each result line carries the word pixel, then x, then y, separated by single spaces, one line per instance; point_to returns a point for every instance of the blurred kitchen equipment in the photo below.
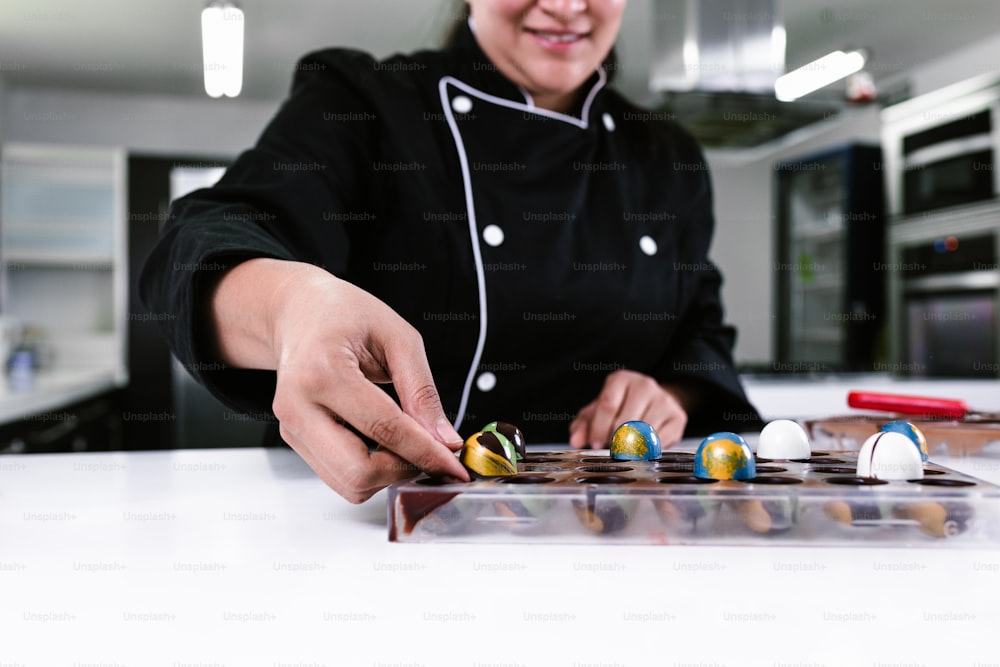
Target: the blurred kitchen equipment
pixel 950 306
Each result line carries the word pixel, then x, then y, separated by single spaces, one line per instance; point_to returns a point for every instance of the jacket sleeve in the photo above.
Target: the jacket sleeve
pixel 700 352
pixel 281 199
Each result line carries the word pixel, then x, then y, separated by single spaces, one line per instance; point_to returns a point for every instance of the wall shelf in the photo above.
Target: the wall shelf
pixel 63 261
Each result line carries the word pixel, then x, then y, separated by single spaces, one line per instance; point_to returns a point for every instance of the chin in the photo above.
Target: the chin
pixel 560 82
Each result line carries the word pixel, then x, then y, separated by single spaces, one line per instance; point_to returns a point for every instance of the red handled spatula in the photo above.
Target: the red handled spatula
pixel 925 406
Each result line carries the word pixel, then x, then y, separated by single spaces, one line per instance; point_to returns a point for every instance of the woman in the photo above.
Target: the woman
pixel 487 227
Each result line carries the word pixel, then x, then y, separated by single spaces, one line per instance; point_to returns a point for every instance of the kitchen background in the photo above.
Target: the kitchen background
pixel 827 230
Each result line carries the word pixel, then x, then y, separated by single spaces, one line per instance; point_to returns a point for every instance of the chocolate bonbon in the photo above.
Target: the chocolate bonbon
pixel 635 441
pixel 724 455
pixel 488 454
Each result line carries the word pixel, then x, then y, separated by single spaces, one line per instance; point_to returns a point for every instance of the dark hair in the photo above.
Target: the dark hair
pixel 460 11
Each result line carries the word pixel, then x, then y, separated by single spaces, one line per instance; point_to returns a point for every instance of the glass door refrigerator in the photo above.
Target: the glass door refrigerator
pixel 829 263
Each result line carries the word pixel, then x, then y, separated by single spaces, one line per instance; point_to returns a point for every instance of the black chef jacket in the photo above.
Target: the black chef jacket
pixel 535 252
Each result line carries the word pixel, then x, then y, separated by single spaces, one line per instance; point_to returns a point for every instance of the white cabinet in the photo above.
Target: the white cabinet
pixel 63 251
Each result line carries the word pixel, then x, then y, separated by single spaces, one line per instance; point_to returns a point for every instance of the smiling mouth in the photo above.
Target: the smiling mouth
pixel 558 37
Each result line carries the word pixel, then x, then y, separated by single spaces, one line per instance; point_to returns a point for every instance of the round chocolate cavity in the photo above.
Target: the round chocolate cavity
pixel 597 459
pixel 771 479
pixel 835 470
pixel 941 482
pixel 539 459
pixel 673 467
pixel 934 472
pixel 758 459
pixel 604 479
pixel 685 479
pixel 526 479
pixel 605 468
pixel 761 469
pixel 856 481
pixel 813 459
pixel 676 457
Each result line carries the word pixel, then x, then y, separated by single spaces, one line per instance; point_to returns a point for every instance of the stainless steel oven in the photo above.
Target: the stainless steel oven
pixel 950 288
pixel 949 164
pixel 941 149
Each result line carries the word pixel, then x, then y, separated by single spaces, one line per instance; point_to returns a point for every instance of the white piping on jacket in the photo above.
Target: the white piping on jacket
pixel 470 207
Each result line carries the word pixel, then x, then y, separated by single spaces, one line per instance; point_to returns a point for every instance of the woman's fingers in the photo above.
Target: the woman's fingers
pixel 627 396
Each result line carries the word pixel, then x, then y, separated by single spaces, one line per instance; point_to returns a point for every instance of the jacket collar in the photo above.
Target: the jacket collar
pixel 472 66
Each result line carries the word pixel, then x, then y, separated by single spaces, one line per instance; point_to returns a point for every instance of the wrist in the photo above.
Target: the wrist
pixel 687 394
pixel 247 306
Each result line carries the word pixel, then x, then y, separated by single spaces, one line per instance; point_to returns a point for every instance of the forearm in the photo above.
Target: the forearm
pixel 243 306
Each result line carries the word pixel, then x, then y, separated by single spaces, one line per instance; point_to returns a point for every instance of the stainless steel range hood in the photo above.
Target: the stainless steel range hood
pixel 714 64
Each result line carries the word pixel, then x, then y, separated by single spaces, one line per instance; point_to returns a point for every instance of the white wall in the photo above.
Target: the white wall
pixel 158 124
pixel 743 181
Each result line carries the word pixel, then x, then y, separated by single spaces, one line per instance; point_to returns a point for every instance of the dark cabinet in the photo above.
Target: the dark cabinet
pixel 88 425
pixel 829 266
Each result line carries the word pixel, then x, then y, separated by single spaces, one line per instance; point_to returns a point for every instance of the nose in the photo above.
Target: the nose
pixel 562 9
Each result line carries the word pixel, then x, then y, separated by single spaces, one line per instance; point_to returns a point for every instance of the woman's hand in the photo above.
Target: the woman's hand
pixel 330 343
pixel 626 396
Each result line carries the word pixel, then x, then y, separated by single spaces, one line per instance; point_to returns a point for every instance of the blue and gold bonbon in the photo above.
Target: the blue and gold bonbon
pixel 635 441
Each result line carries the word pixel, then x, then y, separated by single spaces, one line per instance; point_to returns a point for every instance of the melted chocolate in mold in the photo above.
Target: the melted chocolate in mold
pixel 813 459
pixel 604 479
pixel 540 459
pixel 526 479
pixel 941 482
pixel 601 518
pixel 416 506
pixel 856 481
pixel 834 470
pixel 604 468
pixel 771 469
pixel 865 512
pixel 685 479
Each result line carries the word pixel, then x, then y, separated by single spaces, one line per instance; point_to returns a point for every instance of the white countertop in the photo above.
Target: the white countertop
pixel 243 558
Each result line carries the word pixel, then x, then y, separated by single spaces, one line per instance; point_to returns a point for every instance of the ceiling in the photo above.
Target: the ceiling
pixel 153 46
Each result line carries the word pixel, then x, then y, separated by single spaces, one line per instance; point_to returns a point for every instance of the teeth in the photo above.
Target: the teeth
pixel 558 38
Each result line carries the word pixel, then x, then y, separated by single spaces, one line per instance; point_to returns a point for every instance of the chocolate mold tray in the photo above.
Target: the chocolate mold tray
pixel 584 497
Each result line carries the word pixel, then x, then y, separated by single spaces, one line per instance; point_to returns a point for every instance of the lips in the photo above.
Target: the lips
pixel 561 37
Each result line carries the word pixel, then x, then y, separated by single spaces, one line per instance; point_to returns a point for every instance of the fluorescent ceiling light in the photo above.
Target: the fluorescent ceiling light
pixel 222 49
pixel 831 67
